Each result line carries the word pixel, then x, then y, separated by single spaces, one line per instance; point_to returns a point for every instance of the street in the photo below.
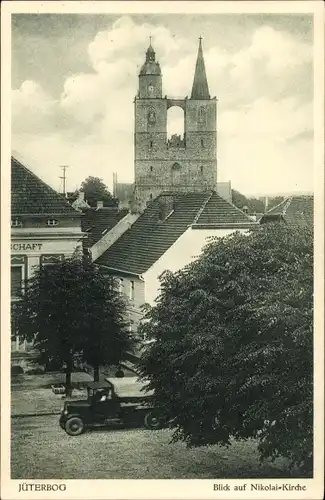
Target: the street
pixel 40 449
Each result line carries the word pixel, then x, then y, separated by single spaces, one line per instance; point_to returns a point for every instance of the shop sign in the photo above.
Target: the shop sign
pixel 26 246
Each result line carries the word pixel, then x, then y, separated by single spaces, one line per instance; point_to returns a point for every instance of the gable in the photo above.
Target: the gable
pixel 31 196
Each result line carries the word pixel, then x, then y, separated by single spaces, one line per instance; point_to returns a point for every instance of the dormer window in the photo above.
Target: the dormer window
pixel 52 222
pixel 16 222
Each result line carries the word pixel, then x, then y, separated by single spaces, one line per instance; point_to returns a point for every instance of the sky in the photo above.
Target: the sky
pixel 74 78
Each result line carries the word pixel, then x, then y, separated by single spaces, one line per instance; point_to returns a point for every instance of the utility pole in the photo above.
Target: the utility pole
pixel 64 178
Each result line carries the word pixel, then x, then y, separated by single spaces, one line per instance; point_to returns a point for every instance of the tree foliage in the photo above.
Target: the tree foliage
pixel 74 312
pixel 234 340
pixel 95 190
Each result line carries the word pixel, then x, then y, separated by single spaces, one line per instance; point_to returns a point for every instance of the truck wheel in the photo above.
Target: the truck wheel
pixel 152 421
pixel 74 426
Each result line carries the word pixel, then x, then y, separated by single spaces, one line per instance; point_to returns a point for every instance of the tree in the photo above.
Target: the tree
pixel 95 190
pixel 254 205
pixel 233 338
pixel 74 312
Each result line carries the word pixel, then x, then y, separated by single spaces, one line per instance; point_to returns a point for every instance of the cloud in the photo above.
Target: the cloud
pixel 265 102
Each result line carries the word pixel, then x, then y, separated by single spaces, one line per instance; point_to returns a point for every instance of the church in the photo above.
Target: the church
pixel 176 205
pixel 181 164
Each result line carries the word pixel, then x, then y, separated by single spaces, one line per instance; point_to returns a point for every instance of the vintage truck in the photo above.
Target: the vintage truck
pixel 112 401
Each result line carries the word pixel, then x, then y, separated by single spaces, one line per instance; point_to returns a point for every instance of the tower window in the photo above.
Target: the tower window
pixel 150 196
pixel 201 170
pixel 151 144
pixel 151 116
pixel 202 116
pixel 151 169
pixel 202 143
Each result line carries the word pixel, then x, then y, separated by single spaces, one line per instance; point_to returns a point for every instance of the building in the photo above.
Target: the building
pixel 298 209
pixel 45 228
pixel 181 164
pixel 169 234
pixel 177 203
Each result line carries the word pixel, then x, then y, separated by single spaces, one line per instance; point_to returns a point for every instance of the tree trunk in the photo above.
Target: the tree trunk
pixel 96 373
pixel 68 387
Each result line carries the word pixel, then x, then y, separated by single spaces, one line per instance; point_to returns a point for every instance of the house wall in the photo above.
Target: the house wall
pixel 134 300
pixel 35 243
pixel 186 249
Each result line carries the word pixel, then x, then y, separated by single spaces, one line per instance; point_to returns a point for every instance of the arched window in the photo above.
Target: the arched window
pixel 202 143
pixel 202 115
pixel 151 116
pixel 201 170
pixel 176 166
pixel 150 196
pixel 151 144
pixel 175 122
pixel 151 169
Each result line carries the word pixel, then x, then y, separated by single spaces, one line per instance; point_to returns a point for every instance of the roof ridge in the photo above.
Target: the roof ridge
pixel 287 205
pixel 234 206
pixel 278 205
pixel 196 218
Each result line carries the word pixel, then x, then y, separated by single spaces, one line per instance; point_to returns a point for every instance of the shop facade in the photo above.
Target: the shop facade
pixel 45 229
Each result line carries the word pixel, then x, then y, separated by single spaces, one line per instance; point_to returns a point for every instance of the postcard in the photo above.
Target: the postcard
pixel 163 223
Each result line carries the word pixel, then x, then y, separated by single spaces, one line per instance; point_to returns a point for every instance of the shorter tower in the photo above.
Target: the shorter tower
pixel 180 164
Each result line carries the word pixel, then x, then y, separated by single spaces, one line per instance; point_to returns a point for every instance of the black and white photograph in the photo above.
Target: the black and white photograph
pixel 163 184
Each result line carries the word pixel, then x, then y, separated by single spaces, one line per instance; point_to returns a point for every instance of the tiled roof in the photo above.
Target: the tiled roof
pixel 219 211
pixel 149 237
pixel 30 195
pixel 98 221
pixel 294 210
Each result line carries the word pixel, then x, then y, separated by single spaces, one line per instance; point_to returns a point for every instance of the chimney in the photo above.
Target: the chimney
pixel 266 203
pixel 100 204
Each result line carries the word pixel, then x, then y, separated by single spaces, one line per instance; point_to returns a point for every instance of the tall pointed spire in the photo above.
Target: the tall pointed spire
pixel 200 89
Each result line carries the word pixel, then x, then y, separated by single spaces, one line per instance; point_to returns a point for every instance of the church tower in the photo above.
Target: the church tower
pixel 179 164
